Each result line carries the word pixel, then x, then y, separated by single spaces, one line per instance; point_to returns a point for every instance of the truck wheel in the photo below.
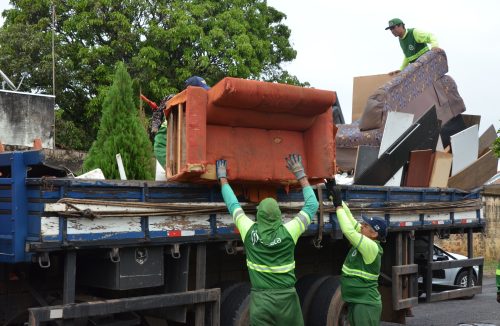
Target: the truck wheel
pixel 337 312
pixel 306 288
pixel 234 311
pixel 327 307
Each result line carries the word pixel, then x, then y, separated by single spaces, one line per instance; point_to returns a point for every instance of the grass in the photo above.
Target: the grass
pixel 490 267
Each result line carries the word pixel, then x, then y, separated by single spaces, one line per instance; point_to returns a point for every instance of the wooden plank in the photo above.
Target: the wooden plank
pixel 179 138
pixel 182 126
pixel 170 145
pixel 464 146
pixel 471 120
pixel 395 125
pixel 365 157
pixel 421 135
pixel 486 140
pixel 476 174
pixel 420 168
pixel 441 170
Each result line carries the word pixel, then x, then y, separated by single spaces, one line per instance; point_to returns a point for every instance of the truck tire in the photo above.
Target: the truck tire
pixel 461 280
pixel 235 309
pixel 306 288
pixel 327 307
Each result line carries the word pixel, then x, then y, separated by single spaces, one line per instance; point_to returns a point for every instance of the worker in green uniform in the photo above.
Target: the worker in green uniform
pixel 269 246
pixel 413 41
pixel 498 282
pixel 361 269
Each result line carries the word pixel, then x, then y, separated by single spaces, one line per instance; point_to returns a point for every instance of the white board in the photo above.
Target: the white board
pixel 395 125
pixel 464 146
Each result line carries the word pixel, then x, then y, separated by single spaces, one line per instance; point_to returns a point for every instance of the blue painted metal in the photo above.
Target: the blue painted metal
pixel 15 227
pixel 22 202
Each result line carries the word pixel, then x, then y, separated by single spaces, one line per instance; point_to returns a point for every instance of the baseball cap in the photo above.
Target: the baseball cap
pixel 378 224
pixel 394 22
pixel 196 81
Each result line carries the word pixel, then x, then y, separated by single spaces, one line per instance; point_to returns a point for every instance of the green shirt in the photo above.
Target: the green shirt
pixel 498 277
pixel 271 266
pixel 361 269
pixel 414 44
pixel 160 144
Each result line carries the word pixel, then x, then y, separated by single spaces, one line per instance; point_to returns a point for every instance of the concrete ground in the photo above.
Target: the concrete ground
pixel 482 310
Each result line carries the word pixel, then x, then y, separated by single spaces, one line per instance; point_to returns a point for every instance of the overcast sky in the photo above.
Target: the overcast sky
pixel 338 40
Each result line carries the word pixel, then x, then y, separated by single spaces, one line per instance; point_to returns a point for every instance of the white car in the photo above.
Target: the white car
pixel 451 276
pixel 456 276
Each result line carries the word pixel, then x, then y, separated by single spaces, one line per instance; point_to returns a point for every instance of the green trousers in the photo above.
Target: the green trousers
pixel 275 307
pixel 364 314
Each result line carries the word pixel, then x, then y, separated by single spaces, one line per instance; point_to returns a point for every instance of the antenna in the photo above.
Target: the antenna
pixel 9 82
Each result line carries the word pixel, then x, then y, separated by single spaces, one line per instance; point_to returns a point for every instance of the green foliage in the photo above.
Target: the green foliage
pixel 121 131
pixel 162 43
pixel 496 145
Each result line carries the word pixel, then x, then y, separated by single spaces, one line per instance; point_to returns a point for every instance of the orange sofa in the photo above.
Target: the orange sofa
pixel 253 125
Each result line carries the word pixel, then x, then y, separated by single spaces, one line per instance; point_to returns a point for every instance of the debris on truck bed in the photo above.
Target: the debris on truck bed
pixel 412 132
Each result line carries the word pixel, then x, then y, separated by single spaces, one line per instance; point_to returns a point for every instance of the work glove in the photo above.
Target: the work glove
pixel 220 170
pixel 498 297
pixel 334 193
pixel 294 165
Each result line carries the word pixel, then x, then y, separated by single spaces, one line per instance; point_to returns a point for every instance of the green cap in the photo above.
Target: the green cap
pixel 394 22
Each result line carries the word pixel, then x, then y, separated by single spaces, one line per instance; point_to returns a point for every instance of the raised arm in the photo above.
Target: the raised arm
pixel 301 221
pixel 350 228
pixel 242 222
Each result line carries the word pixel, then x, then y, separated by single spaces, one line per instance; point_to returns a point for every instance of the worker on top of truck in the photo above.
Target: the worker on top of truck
pixel 361 269
pixel 270 246
pixel 159 123
pixel 413 41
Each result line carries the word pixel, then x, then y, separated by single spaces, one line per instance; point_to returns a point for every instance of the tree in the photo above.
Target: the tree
pixel 496 145
pixel 162 43
pixel 121 131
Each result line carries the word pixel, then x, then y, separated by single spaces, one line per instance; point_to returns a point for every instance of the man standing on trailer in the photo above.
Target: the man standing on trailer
pixel 413 42
pixel 270 246
pixel 361 269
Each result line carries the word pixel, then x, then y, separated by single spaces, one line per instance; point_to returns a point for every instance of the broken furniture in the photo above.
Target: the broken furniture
pixel 253 125
pixel 418 87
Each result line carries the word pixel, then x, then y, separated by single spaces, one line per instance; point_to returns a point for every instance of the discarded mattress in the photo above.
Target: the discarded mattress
pixel 420 86
pixel 253 125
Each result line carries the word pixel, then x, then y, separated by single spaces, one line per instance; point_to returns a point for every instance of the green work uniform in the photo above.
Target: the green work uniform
pixel 414 44
pixel 360 272
pixel 498 277
pixel 270 259
pixel 160 145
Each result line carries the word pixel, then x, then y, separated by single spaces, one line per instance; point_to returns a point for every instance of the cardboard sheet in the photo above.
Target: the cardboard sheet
pixel 363 87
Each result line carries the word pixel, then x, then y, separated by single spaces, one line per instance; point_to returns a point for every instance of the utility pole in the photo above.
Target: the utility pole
pixel 53 51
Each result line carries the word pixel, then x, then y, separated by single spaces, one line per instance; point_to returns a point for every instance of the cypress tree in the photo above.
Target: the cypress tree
pixel 121 131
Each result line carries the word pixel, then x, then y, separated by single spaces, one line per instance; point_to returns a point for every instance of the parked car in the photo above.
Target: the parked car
pixel 456 276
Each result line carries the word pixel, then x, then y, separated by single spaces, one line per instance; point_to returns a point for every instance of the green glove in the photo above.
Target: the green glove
pixel 220 170
pixel 294 165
